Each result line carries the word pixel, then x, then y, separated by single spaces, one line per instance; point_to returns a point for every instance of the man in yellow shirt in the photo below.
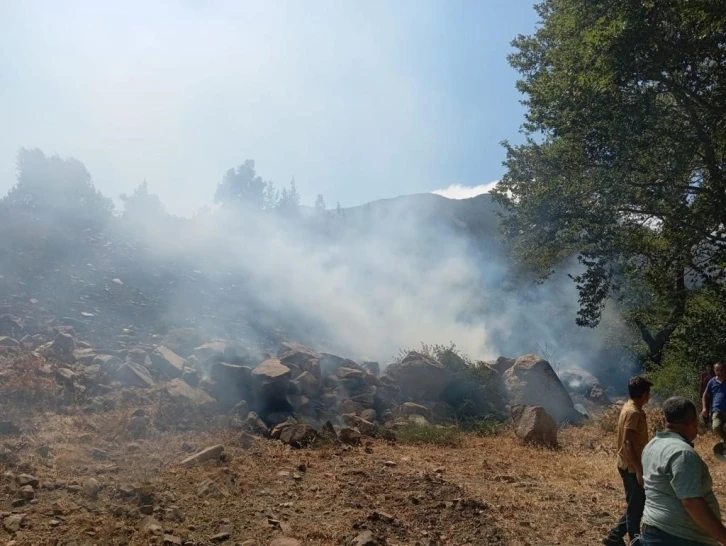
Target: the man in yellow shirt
pixel 632 438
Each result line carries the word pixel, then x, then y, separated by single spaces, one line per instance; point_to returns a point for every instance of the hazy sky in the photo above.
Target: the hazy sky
pixel 358 100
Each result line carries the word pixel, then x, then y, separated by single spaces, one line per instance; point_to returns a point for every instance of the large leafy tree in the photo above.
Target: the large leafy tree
pixel 623 162
pixel 62 189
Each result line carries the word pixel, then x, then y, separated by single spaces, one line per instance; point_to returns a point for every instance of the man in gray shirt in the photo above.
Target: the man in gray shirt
pixel 680 507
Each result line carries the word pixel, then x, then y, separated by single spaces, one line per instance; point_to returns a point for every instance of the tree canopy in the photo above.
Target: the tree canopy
pixel 623 162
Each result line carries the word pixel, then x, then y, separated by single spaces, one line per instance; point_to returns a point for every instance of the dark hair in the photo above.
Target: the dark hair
pixel 679 411
pixel 638 386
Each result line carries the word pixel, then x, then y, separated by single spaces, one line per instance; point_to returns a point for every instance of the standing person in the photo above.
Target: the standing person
pixel 632 438
pixel 714 401
pixel 706 376
pixel 680 507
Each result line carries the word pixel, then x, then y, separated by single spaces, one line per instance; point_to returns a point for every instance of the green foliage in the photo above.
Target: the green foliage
pixel 699 339
pixel 142 206
pixel 320 203
pixel 483 427
pixel 471 391
pixel 242 186
pixel 675 378
pixel 429 435
pixel 289 199
pixel 62 187
pixel 623 165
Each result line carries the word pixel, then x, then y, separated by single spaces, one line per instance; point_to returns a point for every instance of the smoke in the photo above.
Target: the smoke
pixel 369 281
pixel 363 282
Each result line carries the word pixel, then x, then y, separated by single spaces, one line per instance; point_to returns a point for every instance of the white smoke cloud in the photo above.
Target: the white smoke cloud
pixel 457 191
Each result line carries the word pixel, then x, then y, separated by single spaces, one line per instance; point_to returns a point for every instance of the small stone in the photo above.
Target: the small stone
pixel 365 538
pixel 285 541
pixel 27 492
pixel 208 454
pixel 92 488
pixel 220 537
pixel 13 522
pixel 209 489
pixel 27 479
pixel 171 540
pixel 381 516
pixel 350 436
pixel 390 464
pixel 150 526
pixel 174 513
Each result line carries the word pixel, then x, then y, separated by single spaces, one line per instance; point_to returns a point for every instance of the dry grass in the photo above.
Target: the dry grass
pixel 485 490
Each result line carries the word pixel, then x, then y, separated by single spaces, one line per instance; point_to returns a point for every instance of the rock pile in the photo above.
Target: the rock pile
pixel 298 394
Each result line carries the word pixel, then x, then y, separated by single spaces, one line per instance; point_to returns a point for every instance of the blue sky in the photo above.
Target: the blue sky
pixel 357 100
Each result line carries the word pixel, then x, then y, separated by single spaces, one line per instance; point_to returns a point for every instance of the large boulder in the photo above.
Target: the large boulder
pixel 295 435
pixel 532 381
pixel 502 364
pixel 533 425
pixel 215 349
pixel 61 348
pixel 579 382
pixel 10 327
pixel 299 359
pixel 230 383
pixel 6 341
pixel 167 362
pixel 272 379
pixel 308 384
pixel 131 374
pixel 184 395
pixel 420 377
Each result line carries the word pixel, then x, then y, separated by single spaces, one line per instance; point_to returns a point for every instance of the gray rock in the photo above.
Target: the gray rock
pixel 6 341
pixel 183 394
pixel 131 374
pixel 409 408
pixel 167 362
pixel 533 425
pixel 420 377
pixel 365 427
pixel 350 436
pixel 208 454
pixel 533 382
pixel 365 538
pixel 13 522
pixel 298 436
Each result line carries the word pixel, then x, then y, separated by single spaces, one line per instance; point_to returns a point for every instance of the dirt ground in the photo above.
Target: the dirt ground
pixel 95 486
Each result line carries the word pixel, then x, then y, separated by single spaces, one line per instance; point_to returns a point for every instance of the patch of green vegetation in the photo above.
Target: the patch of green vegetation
pixel 483 427
pixel 429 435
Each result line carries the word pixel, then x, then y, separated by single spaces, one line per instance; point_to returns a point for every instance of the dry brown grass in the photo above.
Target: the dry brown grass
pixel 488 490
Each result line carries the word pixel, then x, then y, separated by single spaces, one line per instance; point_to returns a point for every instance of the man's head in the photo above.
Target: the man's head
pixel 639 389
pixel 709 367
pixel 681 417
pixel 720 370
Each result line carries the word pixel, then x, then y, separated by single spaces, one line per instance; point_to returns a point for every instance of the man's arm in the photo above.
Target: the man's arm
pixel 705 401
pixel 705 518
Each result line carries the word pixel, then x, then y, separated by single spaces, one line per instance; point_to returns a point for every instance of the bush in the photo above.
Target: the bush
pixel 675 378
pixel 473 392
